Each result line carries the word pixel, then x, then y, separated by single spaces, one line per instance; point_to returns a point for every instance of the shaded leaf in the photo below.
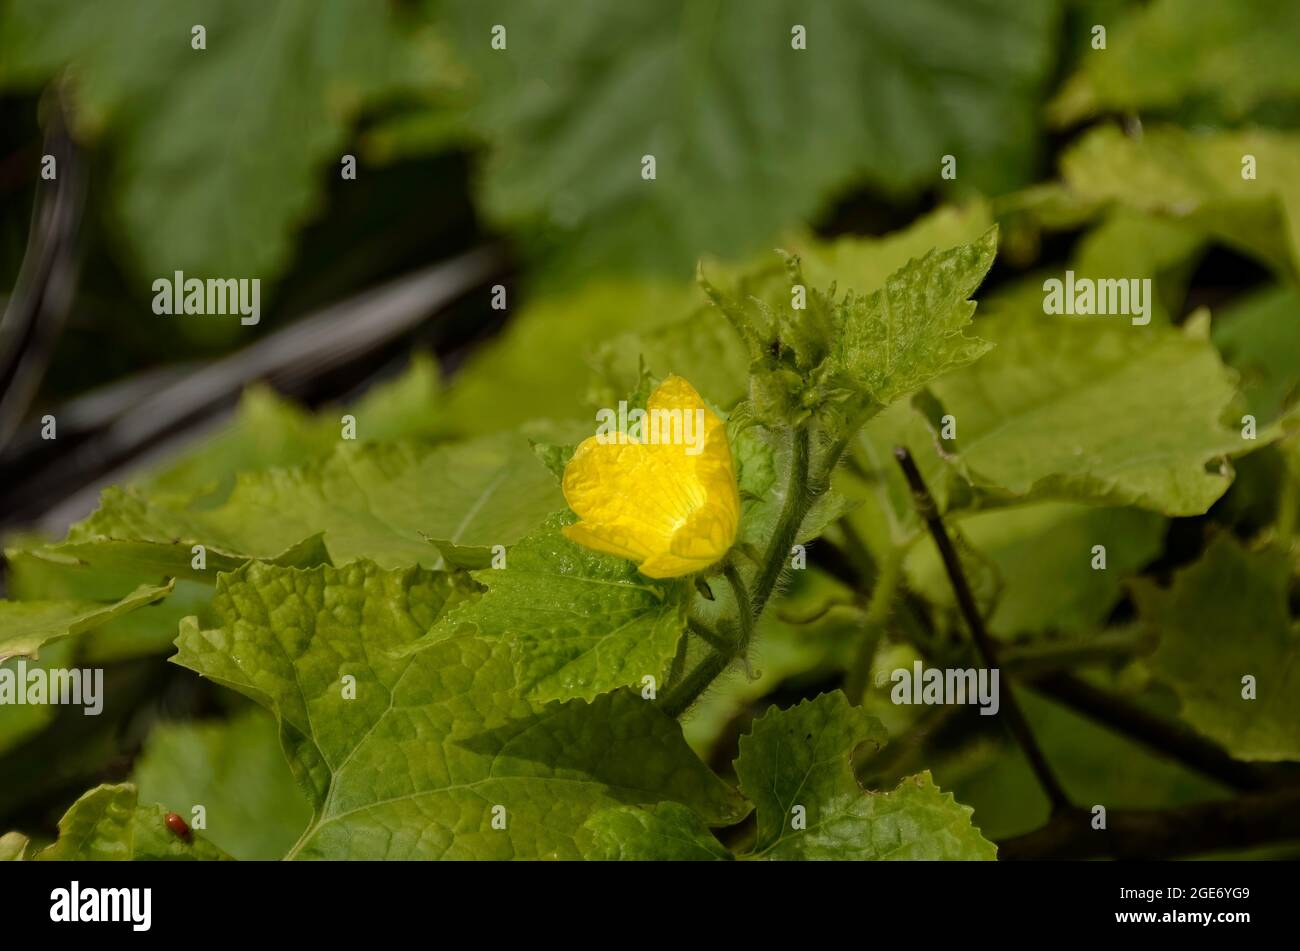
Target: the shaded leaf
pixel 1237 54
pixel 235 770
pixel 289 78
pixel 666 832
pixel 724 103
pixel 1043 554
pixel 1225 618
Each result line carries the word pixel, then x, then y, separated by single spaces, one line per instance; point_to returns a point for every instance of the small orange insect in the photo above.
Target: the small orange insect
pixel 178 826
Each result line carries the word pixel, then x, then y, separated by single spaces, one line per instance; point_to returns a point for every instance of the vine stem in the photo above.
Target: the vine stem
pixel 685 693
pixel 744 607
pixel 1015 717
pixel 750 603
pixel 798 499
pixel 1249 820
pixel 678 700
pixel 707 634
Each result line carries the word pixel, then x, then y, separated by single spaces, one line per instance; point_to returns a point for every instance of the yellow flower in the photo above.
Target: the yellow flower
pixel 668 501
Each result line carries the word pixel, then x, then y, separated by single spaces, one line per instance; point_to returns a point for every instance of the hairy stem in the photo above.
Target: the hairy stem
pixel 749 605
pixel 798 500
pixel 708 635
pixel 802 490
pixel 679 699
pixel 744 607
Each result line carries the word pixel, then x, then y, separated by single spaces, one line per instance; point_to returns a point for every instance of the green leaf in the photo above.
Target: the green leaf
pixel 131 531
pixel 20 722
pixel 544 349
pixel 856 351
pixel 1196 179
pixel 381 502
pixel 897 339
pixel 788 652
pixel 886 515
pixel 108 824
pixel 580 623
pixel 435 738
pixel 27 625
pixel 555 458
pixel 1225 618
pixel 144 633
pixel 866 263
pixel 268 432
pixel 41 575
pixel 239 131
pixel 1079 409
pixel 1095 764
pixel 1137 245
pixel 1259 337
pixel 13 847
pixel 1238 55
pixel 699 347
pixel 708 353
pixel 749 134
pixel 801 758
pixel 234 770
pixel 667 832
pixel 1043 554
pixel 613 325
pixel 762 474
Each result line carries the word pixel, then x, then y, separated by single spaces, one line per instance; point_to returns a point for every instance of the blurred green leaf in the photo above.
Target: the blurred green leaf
pixel 1226 618
pixel 218 151
pixel 1044 560
pixel 1135 246
pixel 536 367
pixel 1196 178
pixel 1259 337
pixel 269 431
pixel 1094 763
pixel 21 721
pixel 236 771
pixel 13 847
pixel 1237 54
pixel 750 135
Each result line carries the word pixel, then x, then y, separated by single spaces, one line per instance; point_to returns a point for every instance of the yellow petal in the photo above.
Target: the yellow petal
pixel 670 505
